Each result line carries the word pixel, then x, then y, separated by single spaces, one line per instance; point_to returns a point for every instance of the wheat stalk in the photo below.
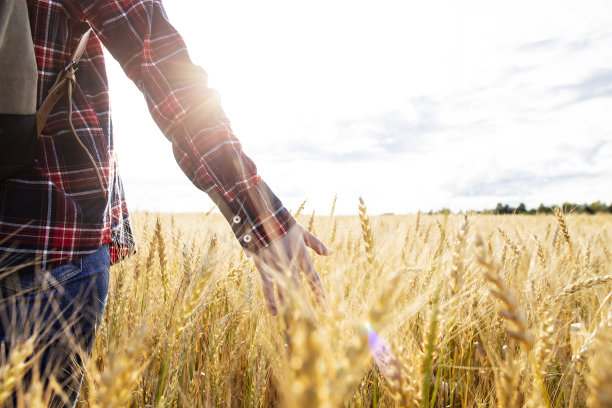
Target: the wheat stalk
pixel 311 224
pixel 540 359
pixel 401 376
pixel 544 347
pixel 604 247
pixel 368 236
pixel 585 283
pixel 120 376
pixel 15 368
pixel 226 351
pixel 599 380
pixel 457 260
pixel 34 397
pixel 333 208
pixel 334 229
pixel 161 255
pixel 507 381
pixel 210 210
pixel 192 301
pixel 510 310
pixel 300 209
pixel 540 254
pixel 564 230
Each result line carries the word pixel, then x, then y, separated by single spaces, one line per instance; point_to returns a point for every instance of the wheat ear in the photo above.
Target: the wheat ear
pixel 333 208
pixel 311 223
pixel 510 310
pixel 583 284
pixel 507 381
pixel 120 376
pixel 300 209
pixel 457 262
pixel 599 380
pixel 566 235
pixel 161 255
pixel 14 369
pixel 368 236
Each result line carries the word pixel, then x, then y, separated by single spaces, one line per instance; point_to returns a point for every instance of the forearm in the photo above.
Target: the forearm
pixel 153 55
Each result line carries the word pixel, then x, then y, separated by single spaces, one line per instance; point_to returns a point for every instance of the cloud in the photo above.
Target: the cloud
pixel 595 38
pixel 593 153
pixel 515 182
pixel 377 136
pixel 589 40
pixel 581 166
pixel 563 65
pixel 598 84
pixel 537 46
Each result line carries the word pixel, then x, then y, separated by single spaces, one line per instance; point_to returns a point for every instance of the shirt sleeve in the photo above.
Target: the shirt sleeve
pixel 153 55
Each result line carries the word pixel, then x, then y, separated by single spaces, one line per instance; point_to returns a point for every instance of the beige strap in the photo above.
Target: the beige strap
pixel 76 57
pixel 71 82
pixel 59 87
pixel 64 84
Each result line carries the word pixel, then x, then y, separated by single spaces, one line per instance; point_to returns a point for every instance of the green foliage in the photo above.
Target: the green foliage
pixel 596 207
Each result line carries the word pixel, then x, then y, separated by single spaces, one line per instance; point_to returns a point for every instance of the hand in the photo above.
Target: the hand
pixel 282 261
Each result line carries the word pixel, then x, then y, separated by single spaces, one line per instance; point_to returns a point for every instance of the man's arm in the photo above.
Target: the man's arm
pixel 154 56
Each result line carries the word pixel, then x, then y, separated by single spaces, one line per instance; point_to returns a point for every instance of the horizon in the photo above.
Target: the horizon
pixel 428 106
pixel 486 211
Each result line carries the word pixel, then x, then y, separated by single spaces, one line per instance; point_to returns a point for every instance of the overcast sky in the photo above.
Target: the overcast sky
pixel 413 105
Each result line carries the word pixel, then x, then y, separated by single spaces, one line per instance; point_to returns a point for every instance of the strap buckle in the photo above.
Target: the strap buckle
pixel 72 65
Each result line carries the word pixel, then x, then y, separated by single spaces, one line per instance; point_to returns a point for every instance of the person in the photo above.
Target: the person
pixel 63 222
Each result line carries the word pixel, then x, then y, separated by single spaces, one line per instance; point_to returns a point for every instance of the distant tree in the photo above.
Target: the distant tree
pixel 502 209
pixel 542 209
pixel 570 207
pixel 567 207
pixel 596 207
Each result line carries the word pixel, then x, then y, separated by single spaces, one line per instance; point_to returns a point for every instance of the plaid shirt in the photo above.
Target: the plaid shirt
pixel 53 212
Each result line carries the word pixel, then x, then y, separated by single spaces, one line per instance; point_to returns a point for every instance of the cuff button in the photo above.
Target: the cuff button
pixel 237 219
pixel 247 238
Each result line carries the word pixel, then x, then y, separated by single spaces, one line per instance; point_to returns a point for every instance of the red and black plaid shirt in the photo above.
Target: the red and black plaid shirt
pixel 53 212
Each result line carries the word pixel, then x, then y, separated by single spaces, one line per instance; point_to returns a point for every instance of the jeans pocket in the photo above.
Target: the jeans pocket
pixel 36 282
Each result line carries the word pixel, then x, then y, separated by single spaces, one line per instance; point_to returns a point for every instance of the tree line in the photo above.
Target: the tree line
pixel 592 208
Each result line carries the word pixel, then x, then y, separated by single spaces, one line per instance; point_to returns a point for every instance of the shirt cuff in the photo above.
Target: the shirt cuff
pixel 257 217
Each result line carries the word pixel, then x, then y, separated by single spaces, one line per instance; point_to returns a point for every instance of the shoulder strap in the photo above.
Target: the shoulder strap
pixel 61 83
pixel 64 84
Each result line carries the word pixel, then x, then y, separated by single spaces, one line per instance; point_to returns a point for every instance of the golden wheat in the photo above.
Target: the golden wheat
pixel 186 323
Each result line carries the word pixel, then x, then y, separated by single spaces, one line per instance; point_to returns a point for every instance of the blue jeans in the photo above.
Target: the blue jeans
pixel 62 309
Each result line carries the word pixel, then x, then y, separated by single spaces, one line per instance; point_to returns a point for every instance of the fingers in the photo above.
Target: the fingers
pixel 315 243
pixel 313 278
pixel 283 277
pixel 279 266
pixel 268 288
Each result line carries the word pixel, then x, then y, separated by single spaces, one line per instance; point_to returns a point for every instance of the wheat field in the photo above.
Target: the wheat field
pixel 423 311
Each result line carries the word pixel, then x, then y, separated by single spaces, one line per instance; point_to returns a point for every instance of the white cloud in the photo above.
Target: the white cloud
pixel 412 105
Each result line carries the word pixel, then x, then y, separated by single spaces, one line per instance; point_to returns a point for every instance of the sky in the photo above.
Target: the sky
pixel 412 105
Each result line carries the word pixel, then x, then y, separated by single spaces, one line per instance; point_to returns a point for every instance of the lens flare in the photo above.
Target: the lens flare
pixel 383 355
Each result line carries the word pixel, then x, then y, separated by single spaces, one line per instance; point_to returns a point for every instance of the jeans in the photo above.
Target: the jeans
pixel 61 309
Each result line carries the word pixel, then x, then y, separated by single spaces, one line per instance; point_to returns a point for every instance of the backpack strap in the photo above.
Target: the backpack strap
pixel 64 85
pixel 61 84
